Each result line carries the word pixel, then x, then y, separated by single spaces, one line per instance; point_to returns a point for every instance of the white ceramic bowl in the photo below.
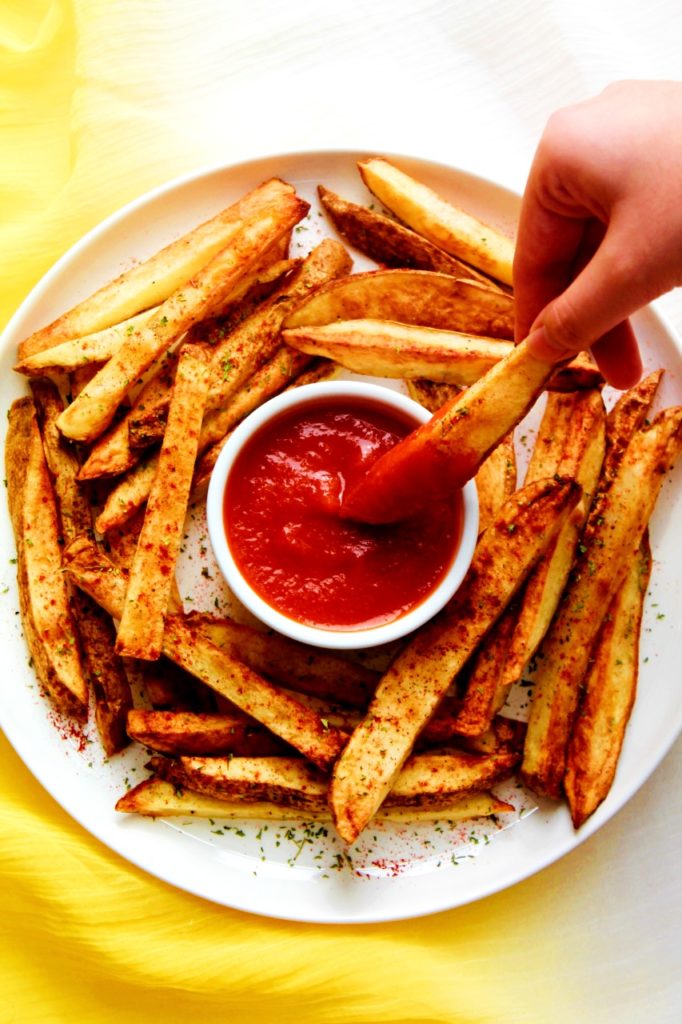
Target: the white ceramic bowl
pixel 353 639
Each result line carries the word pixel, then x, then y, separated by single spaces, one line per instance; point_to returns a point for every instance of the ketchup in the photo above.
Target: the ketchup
pixel 284 526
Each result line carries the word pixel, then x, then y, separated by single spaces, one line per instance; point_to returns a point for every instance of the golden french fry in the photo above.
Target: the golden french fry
pixel 94 408
pixel 479 704
pixel 608 545
pixel 44 598
pixel 608 696
pixel 418 679
pixel 157 798
pixel 418 297
pixel 149 586
pixel 442 223
pixel 202 734
pixel 188 647
pixel 442 454
pixel 627 416
pixel 153 281
pixel 582 456
pixel 390 243
pixel 128 497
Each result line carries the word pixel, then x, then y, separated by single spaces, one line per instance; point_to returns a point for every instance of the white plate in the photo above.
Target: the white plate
pixel 298 872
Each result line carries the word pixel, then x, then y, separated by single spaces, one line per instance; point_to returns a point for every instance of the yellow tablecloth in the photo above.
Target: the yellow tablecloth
pixel 102 100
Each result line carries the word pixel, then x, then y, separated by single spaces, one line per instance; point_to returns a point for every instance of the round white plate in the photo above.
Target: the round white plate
pixel 300 871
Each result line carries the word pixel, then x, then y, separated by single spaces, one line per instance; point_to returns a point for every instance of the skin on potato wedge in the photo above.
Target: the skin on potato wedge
pixel 419 297
pixel 442 454
pixel 417 681
pixel 44 597
pixel 94 408
pixel 140 632
pixel 425 778
pixel 389 243
pixel 238 353
pixel 202 734
pixel 156 279
pixel 188 647
pixel 480 704
pixel 627 416
pixel 609 544
pixel 156 797
pixel 441 222
pixel 582 457
pixel 609 691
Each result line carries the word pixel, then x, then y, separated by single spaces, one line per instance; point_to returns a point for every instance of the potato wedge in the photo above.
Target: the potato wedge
pixel 582 457
pixel 390 243
pixel 480 702
pixel 156 279
pixel 441 455
pixel 128 496
pixel 609 544
pixel 157 798
pixel 442 223
pixel 609 693
pixel 418 679
pixel 94 408
pixel 419 297
pixel 201 734
pixel 627 416
pixel 189 648
pixel 310 670
pixel 140 632
pixel 43 593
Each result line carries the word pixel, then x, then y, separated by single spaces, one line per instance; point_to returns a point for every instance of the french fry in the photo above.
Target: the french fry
pixel 496 478
pixel 608 545
pixel 389 243
pixel 128 496
pixel 628 415
pixel 425 779
pixel 149 586
pixel 77 352
pixel 93 410
pixel 418 679
pixel 189 648
pixel 157 798
pixel 419 297
pixel 442 454
pixel 582 457
pixel 608 696
pixel 483 687
pixel 308 669
pixel 44 598
pixel 442 223
pixel 383 348
pixel 188 733
pixel 156 279
pixel 111 454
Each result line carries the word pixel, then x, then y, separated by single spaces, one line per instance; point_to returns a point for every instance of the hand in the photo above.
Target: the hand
pixel 600 232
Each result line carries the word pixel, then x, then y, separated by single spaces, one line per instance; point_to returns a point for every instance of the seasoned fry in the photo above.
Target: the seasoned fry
pixel 442 223
pixel 608 696
pixel 189 648
pixel 609 544
pixel 442 454
pixel 389 243
pixel 419 297
pixel 93 410
pixel 626 417
pixel 583 447
pixel 157 278
pixel 44 599
pixel 482 696
pixel 157 798
pixel 187 732
pixel 149 586
pixel 308 669
pixel 383 348
pixel 128 496
pixel 418 679
pixel 496 479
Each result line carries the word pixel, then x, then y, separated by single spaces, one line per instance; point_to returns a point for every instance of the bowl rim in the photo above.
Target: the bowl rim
pixel 347 639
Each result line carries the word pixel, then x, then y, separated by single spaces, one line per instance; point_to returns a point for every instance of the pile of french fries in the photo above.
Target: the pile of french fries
pixel 135 391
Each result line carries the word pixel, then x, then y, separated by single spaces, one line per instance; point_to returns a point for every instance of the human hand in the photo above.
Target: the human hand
pixel 600 231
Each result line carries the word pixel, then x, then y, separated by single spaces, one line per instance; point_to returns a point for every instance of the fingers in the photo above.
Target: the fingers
pixel 617 356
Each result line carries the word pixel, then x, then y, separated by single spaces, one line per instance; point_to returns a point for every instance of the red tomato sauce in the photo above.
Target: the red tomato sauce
pixel 288 537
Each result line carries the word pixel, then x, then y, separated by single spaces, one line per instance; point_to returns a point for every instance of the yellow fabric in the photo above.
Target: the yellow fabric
pixel 98 102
